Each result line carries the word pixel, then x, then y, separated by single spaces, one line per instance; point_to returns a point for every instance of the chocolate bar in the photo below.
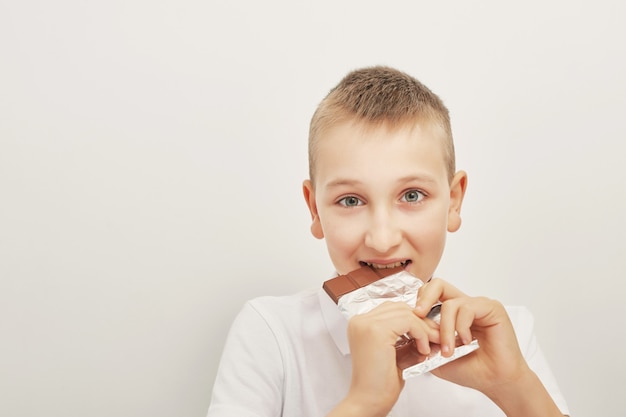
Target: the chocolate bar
pixel 361 290
pixel 406 350
pixel 356 279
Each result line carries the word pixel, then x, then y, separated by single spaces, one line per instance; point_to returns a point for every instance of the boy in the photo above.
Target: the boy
pixel 383 191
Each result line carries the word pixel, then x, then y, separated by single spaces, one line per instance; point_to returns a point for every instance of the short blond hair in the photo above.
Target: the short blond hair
pixel 378 96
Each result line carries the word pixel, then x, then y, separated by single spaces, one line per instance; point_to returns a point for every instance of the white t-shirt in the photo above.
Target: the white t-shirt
pixel 289 356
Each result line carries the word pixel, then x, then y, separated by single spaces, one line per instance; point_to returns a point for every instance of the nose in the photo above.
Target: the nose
pixel 383 232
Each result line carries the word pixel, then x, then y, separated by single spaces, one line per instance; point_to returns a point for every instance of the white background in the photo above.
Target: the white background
pixel 152 153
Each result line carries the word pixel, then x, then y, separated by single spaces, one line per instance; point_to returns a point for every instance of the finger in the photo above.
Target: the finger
pixel 460 315
pixel 432 292
pixel 447 327
pixel 397 319
pixel 464 319
pixel 430 323
pixel 424 335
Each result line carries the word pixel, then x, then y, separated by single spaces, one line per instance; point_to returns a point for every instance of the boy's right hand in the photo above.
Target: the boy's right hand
pixel 376 379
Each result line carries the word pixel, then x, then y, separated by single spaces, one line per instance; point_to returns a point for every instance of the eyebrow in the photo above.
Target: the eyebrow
pixel 342 182
pixel 428 179
pixel 409 178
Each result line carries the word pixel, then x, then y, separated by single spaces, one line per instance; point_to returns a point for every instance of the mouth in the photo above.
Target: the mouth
pixel 390 265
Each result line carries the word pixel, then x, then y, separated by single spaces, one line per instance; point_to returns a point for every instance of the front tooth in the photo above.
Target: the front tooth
pixel 388 266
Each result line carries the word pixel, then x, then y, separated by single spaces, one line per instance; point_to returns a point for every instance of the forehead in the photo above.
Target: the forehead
pixel 353 149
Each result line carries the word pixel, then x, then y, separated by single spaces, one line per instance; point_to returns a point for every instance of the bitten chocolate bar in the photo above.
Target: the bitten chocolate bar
pixel 365 288
pixel 358 278
pixel 406 350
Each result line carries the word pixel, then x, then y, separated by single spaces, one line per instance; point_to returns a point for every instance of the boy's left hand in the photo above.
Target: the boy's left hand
pixel 498 368
pixel 497 361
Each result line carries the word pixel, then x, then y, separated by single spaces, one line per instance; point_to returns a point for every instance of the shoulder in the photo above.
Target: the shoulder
pixel 280 311
pixel 524 324
pixel 260 356
pixel 520 316
pixel 274 323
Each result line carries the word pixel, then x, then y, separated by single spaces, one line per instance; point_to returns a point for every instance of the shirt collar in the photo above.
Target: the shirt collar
pixel 336 323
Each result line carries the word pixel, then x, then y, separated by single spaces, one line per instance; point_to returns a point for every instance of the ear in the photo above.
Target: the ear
pixel 309 197
pixel 457 192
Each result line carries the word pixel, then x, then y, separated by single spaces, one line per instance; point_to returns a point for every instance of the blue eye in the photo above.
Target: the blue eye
pixel 413 196
pixel 350 201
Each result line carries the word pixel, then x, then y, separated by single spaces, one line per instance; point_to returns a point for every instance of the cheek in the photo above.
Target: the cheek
pixel 339 233
pixel 342 234
pixel 428 232
pixel 428 241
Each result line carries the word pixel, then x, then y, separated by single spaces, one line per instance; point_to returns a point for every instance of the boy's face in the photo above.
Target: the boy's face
pixel 382 197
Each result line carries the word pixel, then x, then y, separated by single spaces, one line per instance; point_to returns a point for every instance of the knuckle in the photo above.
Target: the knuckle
pixel 435 281
pixel 356 322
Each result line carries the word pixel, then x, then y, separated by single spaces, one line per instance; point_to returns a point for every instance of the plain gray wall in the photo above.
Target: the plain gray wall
pixel 152 153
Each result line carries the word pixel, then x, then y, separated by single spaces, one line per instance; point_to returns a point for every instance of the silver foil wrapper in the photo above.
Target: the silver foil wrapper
pixel 400 287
